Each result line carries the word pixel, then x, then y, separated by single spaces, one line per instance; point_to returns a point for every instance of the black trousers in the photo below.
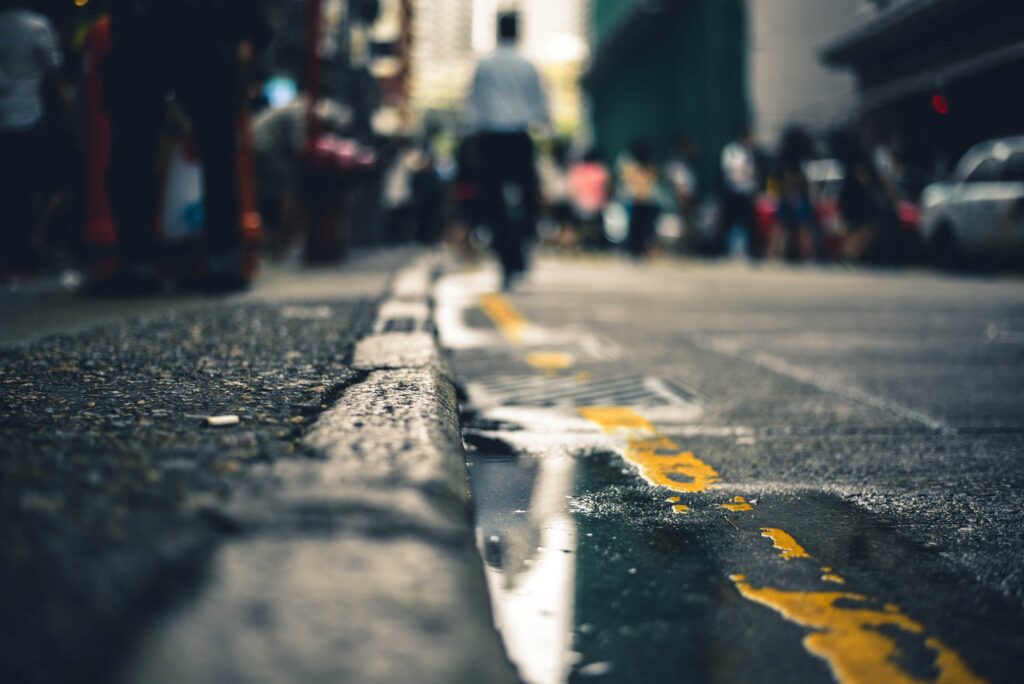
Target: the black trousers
pixel 738 210
pixel 156 50
pixel 643 217
pixel 26 167
pixel 507 162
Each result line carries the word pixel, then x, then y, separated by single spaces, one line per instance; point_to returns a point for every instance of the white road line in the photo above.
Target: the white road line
pixel 826 384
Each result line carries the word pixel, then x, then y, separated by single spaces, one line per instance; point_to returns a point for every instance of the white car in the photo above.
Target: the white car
pixel 980 209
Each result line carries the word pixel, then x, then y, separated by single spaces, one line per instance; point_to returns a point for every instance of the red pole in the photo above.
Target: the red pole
pixel 100 236
pixel 325 201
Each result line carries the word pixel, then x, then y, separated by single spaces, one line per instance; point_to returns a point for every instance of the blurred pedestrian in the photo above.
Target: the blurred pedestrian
pixel 801 231
pixel 399 214
pixel 554 176
pixel 589 185
pixel 869 213
pixel 200 49
pixel 465 195
pixel 279 140
pixel 427 194
pixel 679 175
pixel 639 178
pixel 29 156
pixel 740 184
pixel 505 100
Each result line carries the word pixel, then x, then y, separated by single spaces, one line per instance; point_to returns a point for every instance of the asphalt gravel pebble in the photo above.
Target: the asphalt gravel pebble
pixel 110 478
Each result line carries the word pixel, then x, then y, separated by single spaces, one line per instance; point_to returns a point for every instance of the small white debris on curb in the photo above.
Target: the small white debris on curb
pixel 222 421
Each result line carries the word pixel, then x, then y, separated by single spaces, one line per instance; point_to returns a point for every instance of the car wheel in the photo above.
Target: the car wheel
pixel 943 251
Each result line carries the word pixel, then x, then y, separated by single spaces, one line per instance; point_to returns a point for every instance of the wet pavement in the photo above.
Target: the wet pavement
pixel 689 472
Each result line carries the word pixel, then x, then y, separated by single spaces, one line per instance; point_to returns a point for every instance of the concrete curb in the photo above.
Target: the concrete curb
pixel 360 567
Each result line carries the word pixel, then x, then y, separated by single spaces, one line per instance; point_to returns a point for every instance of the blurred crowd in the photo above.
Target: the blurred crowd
pixel 103 167
pixel 98 157
pixel 161 145
pixel 837 200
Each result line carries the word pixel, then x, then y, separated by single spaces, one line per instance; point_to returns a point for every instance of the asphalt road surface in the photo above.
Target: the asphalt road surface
pixel 110 480
pixel 715 472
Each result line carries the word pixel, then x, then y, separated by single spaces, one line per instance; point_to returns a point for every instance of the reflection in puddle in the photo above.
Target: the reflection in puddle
pixel 528 542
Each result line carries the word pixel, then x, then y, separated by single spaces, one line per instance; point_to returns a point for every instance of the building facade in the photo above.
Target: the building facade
pixel 706 69
pixel 442 53
pixel 788 82
pixel 937 76
pixel 662 70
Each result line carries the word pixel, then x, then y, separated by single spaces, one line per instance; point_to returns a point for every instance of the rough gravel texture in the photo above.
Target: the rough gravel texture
pixel 106 429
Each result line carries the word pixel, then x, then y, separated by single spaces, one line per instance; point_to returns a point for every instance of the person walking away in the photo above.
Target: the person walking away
pixel 639 182
pixel 739 193
pixel 29 59
pixel 589 183
pixel 200 49
pixel 506 98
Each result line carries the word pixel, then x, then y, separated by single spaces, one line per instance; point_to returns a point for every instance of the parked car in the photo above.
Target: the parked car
pixel 980 209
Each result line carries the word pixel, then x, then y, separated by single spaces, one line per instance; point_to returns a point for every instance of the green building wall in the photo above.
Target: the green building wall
pixel 690 79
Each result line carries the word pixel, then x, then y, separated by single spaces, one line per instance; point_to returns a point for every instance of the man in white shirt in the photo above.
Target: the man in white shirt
pixel 506 99
pixel 29 55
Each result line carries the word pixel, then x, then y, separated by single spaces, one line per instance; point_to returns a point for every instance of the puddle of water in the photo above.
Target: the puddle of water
pixel 645 583
pixel 528 542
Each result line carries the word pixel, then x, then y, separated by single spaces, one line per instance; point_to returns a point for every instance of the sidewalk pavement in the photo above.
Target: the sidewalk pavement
pixel 326 536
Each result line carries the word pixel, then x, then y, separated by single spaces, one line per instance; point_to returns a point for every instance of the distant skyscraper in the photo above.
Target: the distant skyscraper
pixel 442 52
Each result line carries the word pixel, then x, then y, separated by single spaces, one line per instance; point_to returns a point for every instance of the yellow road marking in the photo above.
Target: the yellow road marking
pixel 660 461
pixel 847 638
pixel 549 362
pixel 613 419
pixel 505 317
pixel 785 543
pixel 850 639
pixel 674 499
pixel 737 504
